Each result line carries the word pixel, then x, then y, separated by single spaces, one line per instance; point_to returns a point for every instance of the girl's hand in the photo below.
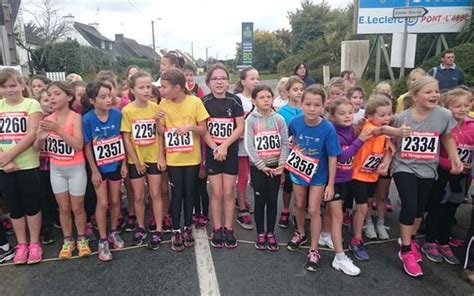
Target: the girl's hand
pixel 96 179
pixel 160 115
pixel 161 164
pixel 221 153
pixel 278 171
pixel 383 169
pixel 5 158
pixel 10 168
pixel 124 171
pixel 183 129
pixel 41 134
pixel 456 166
pixel 141 168
pixel 268 171
pixel 50 126
pixel 329 192
pixel 366 134
pixel 405 129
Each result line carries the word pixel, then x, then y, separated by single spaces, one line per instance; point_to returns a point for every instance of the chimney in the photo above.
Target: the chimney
pixel 69 19
pixel 119 38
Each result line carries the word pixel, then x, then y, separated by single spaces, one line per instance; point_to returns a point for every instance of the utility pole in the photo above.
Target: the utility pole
pixel 192 49
pixel 404 43
pixel 207 60
pixel 153 34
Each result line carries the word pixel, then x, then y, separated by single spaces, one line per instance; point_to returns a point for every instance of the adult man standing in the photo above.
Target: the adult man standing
pixel 448 74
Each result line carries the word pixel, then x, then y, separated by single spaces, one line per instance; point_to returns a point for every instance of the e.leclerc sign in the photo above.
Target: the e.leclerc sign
pixel 443 16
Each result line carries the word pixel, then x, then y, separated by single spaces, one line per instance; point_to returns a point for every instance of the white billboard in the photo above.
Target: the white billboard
pixel 444 16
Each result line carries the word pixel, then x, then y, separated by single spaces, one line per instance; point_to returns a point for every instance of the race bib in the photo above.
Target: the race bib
pixel 465 154
pixel 108 150
pixel 301 165
pixel 178 143
pixel 372 163
pixel 220 129
pixel 58 149
pixel 268 144
pixel 144 131
pixel 346 165
pixel 13 125
pixel 420 145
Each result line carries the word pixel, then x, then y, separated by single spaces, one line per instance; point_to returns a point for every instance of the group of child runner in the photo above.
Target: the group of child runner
pixel 325 146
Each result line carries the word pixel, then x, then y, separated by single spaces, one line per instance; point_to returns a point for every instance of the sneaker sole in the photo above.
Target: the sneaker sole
pixel 450 262
pixel 230 247
pixel 7 258
pixel 284 226
pixel 357 257
pixel 244 226
pixel 217 246
pixel 189 245
pixel 273 249
pixel 406 271
pixel 291 249
pixel 339 268
pixel 20 263
pixel 152 248
pixel 104 260
pixel 429 257
pixel 34 262
pixel 311 269
pixel 180 249
pixel 259 248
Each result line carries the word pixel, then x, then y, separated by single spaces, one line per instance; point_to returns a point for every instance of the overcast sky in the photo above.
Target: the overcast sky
pixel 207 23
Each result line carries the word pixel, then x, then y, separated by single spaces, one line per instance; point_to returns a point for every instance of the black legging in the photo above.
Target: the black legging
pixel 183 184
pixel 201 201
pixel 469 241
pixel 3 236
pixel 413 193
pixel 49 206
pixel 440 216
pixel 90 198
pixel 266 194
pixel 20 190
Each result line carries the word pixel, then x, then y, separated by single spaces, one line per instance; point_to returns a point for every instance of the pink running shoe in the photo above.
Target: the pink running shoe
pixel 412 268
pixel 415 249
pixel 21 254
pixel 347 218
pixel 455 242
pixel 35 253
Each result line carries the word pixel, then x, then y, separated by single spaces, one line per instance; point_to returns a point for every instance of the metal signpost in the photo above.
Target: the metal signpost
pixel 406 13
pixel 247 46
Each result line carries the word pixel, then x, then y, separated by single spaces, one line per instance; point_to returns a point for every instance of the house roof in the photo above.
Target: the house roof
pixel 130 47
pixel 87 31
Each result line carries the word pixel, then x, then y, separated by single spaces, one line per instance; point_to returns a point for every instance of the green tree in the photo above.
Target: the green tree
pixel 307 23
pixel 268 50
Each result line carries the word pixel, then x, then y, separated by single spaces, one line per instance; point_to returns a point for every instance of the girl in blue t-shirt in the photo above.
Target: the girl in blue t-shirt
pixel 312 165
pixel 105 153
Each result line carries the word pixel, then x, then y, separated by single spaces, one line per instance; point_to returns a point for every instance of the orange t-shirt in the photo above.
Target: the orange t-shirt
pixel 369 157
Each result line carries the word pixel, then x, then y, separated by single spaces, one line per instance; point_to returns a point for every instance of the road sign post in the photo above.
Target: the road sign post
pixel 406 13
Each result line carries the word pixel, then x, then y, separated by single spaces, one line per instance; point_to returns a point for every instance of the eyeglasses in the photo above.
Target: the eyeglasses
pixel 219 79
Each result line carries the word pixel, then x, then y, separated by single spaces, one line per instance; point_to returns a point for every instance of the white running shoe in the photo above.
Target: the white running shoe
pixel 326 241
pixel 346 266
pixel 382 231
pixel 369 230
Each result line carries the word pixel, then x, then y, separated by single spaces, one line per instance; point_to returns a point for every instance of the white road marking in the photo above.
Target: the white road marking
pixel 205 265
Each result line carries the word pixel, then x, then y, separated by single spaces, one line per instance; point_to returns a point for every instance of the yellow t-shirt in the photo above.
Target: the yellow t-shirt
pixel 184 150
pixel 400 103
pixel 141 124
pixel 14 126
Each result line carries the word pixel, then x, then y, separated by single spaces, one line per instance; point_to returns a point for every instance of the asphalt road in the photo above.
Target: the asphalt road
pixel 242 271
